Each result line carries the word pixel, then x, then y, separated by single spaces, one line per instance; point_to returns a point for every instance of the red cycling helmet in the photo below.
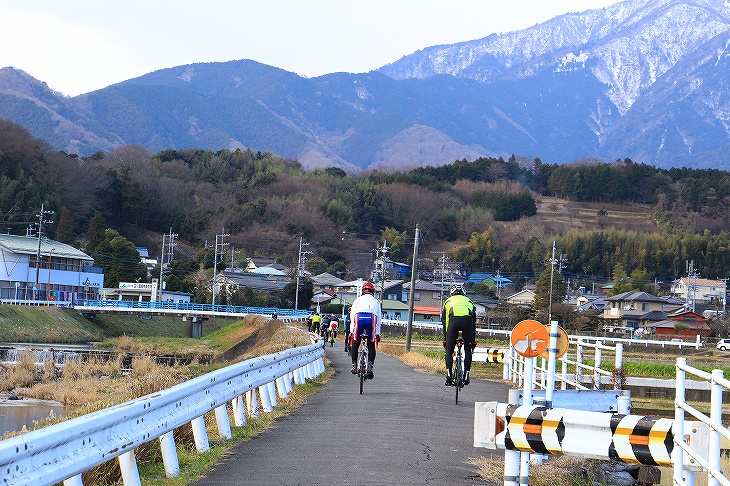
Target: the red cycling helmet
pixel 368 287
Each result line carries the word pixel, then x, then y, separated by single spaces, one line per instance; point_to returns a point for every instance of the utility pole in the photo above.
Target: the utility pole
pixel 382 250
pixel 170 252
pixel 414 271
pixel 218 243
pixel 300 269
pixel 692 275
pixel 41 221
pixel 560 263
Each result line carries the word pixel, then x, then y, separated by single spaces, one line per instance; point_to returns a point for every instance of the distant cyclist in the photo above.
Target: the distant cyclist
pixel 346 325
pixel 458 314
pixel 365 319
pixel 332 334
pixel 316 321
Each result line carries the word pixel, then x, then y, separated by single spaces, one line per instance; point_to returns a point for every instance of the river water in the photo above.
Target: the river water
pixel 14 414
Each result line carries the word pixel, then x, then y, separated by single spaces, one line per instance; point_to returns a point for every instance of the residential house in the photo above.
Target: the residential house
pixel 322 297
pixel 234 279
pixel 391 290
pixel 425 294
pixel 634 309
pixel 523 298
pixel 690 325
pixel 395 309
pixel 256 262
pixel 450 272
pixel 45 269
pixel 326 281
pixel 587 303
pixel 695 289
pixel 383 266
pixel 426 313
pixel 270 272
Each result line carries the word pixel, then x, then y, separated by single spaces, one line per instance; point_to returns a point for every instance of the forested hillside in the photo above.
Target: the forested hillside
pixel 491 212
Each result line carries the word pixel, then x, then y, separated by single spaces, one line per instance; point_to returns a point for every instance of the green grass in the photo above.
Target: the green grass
pixel 49 324
pixel 46 325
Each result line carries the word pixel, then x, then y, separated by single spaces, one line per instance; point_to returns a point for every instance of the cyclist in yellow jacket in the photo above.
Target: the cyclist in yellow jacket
pixel 316 321
pixel 458 314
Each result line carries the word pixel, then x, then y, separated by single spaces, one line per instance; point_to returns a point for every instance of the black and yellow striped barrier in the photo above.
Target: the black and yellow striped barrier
pixel 597 435
pixel 489 355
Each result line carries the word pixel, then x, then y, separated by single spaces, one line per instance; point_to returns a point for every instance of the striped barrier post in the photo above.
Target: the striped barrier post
pixel 595 435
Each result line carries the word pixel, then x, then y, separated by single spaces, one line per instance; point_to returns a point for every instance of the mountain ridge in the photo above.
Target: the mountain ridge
pixel 640 79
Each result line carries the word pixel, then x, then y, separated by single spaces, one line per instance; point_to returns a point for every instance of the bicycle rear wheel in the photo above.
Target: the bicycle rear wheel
pixel 459 377
pixel 363 370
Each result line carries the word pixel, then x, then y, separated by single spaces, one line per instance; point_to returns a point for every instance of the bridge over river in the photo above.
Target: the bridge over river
pixel 404 429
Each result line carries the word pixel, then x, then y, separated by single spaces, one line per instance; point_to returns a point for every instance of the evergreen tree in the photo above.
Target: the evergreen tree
pixel 65 228
pixel 543 291
pixel 621 281
pixel 96 231
pixel 120 260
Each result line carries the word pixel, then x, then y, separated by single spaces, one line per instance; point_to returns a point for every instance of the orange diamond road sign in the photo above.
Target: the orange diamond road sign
pixel 529 338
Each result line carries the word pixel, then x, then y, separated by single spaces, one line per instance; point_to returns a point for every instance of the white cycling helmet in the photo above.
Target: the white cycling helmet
pixel 456 289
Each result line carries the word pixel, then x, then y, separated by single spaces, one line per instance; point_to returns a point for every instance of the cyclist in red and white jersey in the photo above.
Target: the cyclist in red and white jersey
pixel 365 317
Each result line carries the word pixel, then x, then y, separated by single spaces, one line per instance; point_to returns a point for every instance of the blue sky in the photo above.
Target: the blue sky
pixel 77 46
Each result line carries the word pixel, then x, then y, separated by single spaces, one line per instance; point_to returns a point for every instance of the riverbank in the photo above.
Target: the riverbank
pixel 50 324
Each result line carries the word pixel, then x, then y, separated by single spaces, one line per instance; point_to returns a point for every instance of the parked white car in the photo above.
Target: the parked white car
pixel 723 344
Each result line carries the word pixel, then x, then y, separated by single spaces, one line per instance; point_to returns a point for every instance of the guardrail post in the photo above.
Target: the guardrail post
pixel 564 372
pixel 281 387
pixel 128 467
pixel 265 399
pixel 289 382
pixel 239 411
pixel 169 455
pixel 299 377
pixel 224 425
pixel 73 481
pixel 200 435
pixel 271 388
pixel 253 403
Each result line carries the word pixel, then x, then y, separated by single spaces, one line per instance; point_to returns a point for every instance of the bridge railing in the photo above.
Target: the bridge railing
pixel 63 451
pixel 189 306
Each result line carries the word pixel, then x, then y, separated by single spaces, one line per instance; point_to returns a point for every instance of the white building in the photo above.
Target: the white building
pixel 62 273
pixel 143 292
pixel 701 290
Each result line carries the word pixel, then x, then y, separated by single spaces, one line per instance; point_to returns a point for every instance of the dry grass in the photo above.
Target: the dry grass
pixel 558 470
pixel 96 384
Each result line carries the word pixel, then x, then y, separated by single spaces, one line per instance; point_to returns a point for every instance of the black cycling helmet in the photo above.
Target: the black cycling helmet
pixel 456 289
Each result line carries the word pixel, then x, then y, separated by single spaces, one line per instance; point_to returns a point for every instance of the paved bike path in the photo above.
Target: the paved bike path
pixel 405 429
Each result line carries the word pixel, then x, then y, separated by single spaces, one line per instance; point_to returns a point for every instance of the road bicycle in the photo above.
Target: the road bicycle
pixel 459 367
pixel 362 361
pixel 332 334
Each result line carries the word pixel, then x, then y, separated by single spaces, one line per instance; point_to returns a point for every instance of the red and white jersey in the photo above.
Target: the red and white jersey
pixel 334 324
pixel 368 304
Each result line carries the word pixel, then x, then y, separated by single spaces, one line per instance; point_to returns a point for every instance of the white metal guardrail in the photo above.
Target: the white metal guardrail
pixel 63 451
